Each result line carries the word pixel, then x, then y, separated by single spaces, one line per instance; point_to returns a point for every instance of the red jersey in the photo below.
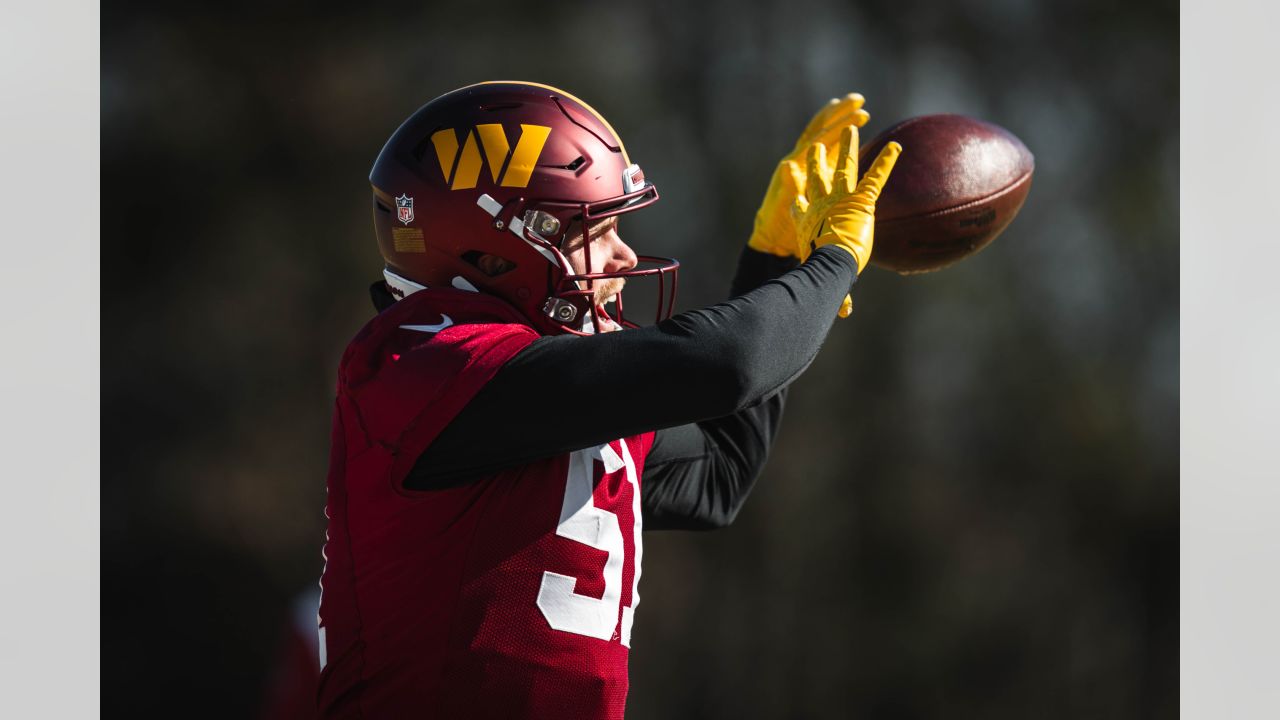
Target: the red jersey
pixel 512 596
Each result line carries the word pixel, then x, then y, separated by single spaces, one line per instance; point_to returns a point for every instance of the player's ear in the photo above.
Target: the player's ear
pixel 490 265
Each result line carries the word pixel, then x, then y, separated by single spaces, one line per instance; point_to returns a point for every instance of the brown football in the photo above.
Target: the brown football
pixel 957 185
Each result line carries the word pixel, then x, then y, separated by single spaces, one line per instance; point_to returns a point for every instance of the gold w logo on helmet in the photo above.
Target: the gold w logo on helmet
pixel 466 164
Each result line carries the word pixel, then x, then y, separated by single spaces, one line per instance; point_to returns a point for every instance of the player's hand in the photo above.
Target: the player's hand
pixel 838 209
pixel 774 230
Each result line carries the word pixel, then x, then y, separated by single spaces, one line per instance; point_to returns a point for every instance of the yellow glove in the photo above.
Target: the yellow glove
pixel 833 209
pixel 774 230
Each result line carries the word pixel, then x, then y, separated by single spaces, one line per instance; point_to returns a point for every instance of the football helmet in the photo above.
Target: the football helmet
pixel 512 170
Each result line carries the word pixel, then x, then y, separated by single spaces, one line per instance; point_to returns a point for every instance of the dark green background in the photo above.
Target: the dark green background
pixel 972 508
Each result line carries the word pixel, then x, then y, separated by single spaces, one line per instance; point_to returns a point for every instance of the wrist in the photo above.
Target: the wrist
pixel 842 257
pixel 859 253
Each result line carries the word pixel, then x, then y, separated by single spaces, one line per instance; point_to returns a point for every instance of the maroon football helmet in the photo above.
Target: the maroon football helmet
pixel 510 169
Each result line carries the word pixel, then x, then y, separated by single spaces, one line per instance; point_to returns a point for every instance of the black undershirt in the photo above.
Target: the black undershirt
pixel 711 382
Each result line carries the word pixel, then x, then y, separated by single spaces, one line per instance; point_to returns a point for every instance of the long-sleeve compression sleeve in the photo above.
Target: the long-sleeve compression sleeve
pixel 698 476
pixel 695 367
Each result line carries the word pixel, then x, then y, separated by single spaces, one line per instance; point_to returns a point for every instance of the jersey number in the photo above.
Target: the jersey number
pixel 581 521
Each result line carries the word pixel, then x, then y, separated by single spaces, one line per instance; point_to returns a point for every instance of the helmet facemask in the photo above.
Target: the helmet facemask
pixel 547 224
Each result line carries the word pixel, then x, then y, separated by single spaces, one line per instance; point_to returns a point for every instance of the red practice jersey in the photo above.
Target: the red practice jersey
pixel 509 597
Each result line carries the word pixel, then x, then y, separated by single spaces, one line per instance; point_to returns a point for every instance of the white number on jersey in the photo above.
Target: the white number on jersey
pixel 581 521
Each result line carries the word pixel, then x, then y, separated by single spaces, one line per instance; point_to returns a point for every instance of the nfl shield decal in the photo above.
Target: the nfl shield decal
pixel 404 206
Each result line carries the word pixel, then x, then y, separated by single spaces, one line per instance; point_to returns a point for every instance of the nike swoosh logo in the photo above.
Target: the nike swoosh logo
pixel 430 328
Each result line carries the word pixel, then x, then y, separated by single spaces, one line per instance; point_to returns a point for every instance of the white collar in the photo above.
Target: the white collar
pixel 401 287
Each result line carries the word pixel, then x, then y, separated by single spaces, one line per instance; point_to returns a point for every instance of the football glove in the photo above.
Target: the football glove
pixel 838 209
pixel 774 230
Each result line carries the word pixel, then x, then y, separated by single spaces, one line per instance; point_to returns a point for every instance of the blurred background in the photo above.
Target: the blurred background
pixel 972 508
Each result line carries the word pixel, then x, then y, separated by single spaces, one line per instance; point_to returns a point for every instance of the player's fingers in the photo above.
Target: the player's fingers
pixel 819 120
pixel 850 112
pixel 846 307
pixel 829 134
pixel 837 113
pixel 878 174
pixel 846 170
pixel 818 181
pixel 850 103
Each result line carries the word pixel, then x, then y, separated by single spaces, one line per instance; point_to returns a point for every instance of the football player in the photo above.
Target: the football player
pixel 502 431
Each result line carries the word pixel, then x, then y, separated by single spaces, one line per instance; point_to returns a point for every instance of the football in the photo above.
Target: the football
pixel 957 185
